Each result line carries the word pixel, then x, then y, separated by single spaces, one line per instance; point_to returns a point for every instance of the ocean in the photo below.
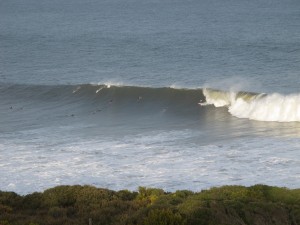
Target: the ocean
pixel 172 94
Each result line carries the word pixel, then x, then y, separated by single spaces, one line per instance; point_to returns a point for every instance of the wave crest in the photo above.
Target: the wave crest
pixel 256 106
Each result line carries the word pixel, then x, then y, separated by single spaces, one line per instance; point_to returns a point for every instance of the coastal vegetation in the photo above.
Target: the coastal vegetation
pixel 227 205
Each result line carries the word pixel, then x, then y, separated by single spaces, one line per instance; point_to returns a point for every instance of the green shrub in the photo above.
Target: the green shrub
pixel 89 195
pixel 4 222
pixel 183 194
pixel 32 201
pixel 61 196
pixel 56 212
pixel 149 194
pixel 163 217
pixel 5 209
pixel 31 223
pixel 225 193
pixel 64 205
pixel 126 195
pixel 10 199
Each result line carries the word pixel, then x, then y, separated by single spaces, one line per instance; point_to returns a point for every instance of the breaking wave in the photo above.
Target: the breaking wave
pixel 180 101
pixel 256 106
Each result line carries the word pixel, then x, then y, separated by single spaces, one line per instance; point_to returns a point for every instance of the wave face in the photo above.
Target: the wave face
pixel 96 92
pixel 255 106
pixel 100 103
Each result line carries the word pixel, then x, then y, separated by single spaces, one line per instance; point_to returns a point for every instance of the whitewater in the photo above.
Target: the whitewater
pixel 262 107
pixel 157 93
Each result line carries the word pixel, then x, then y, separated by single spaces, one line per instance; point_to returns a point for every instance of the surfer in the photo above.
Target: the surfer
pixel 202 102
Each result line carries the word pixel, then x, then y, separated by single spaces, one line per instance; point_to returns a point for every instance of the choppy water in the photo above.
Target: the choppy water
pixel 168 94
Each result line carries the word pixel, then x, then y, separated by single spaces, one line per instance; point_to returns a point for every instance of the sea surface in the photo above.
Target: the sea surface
pixel 172 94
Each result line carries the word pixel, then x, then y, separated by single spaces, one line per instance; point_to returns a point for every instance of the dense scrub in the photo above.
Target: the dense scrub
pixel 228 205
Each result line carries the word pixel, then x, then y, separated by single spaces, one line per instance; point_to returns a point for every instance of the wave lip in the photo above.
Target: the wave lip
pixel 256 106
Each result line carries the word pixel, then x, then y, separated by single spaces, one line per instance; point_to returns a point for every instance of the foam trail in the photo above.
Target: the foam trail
pixel 77 89
pixel 254 106
pixel 99 90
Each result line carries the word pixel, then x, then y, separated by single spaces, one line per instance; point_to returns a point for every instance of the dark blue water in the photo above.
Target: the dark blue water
pixel 152 43
pixel 107 93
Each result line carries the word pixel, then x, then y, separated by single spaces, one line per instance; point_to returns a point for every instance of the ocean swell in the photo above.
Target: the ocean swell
pixel 135 99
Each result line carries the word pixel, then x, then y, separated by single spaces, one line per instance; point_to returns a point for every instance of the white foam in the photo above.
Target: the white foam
pixel 163 159
pixel 271 107
pixel 218 98
pixel 274 107
pixel 108 84
pixel 180 86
